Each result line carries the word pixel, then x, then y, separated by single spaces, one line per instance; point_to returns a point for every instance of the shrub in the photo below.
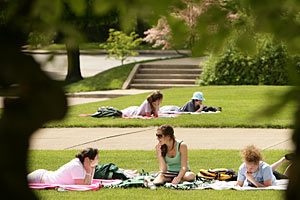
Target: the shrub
pixel 233 67
pixel 120 45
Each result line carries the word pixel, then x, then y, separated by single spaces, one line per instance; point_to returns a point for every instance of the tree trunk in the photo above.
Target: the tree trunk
pixel 293 191
pixel 39 100
pixel 74 73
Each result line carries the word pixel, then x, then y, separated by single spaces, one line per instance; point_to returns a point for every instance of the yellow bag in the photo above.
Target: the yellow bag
pixel 221 174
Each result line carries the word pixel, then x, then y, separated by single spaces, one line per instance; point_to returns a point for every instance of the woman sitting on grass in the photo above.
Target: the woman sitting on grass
pixel 79 171
pixel 148 107
pixel 257 172
pixel 172 157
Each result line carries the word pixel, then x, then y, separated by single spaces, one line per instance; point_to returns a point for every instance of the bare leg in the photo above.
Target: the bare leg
pixel 278 163
pixel 161 179
pixel 286 172
pixel 189 176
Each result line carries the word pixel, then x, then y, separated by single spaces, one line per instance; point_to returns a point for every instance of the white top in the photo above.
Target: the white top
pixel 66 174
pixel 135 110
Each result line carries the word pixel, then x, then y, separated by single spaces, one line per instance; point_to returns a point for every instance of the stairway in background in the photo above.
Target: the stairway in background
pixel 165 74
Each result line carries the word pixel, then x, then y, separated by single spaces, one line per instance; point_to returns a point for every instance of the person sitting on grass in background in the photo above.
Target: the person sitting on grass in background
pixel 196 104
pixel 257 172
pixel 172 155
pixel 79 171
pixel 148 107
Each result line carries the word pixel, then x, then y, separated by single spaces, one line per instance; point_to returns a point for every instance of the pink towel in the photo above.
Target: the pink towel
pixel 96 184
pixel 85 115
pixel 145 117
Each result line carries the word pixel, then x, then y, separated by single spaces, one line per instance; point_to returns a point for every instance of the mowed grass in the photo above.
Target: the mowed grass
pixel 198 159
pixel 243 106
pixel 107 80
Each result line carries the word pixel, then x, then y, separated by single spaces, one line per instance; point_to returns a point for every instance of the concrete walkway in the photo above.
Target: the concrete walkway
pixel 94 96
pixel 144 138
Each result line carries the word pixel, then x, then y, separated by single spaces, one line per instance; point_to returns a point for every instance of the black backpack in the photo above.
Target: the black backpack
pixel 107 112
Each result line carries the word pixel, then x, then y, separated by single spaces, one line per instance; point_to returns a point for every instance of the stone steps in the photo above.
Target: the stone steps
pixel 158 86
pixel 167 76
pixel 163 75
pixel 164 81
pixel 168 66
pixel 169 71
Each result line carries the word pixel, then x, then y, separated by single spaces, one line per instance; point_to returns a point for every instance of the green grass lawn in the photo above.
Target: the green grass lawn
pixel 242 107
pixel 198 159
pixel 107 80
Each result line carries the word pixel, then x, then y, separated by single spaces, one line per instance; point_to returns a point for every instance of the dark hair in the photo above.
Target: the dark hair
pixel 166 130
pixel 153 97
pixel 91 153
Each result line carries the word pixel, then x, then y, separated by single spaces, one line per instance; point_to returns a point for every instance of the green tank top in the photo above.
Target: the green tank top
pixel 174 164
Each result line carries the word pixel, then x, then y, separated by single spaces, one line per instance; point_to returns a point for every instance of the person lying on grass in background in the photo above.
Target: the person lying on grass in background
pixel 172 155
pixel 148 107
pixel 79 171
pixel 193 105
pixel 196 104
pixel 257 172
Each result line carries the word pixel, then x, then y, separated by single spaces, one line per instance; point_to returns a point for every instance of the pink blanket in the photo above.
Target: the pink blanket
pixel 137 116
pixel 96 184
pixel 145 117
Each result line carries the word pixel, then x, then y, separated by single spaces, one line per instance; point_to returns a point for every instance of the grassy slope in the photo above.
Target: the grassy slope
pixel 106 80
pixel 241 108
pixel 146 160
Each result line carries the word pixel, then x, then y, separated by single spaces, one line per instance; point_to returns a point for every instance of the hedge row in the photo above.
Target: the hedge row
pixel 233 67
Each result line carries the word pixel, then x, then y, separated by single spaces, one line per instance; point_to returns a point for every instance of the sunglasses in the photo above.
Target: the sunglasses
pixel 159 135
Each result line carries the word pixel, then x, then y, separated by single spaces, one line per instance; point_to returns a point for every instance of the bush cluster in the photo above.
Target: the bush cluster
pixel 268 66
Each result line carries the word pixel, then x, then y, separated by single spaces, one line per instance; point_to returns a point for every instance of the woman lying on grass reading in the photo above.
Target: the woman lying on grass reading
pixel 193 105
pixel 148 107
pixel 196 104
pixel 257 172
pixel 79 171
pixel 172 157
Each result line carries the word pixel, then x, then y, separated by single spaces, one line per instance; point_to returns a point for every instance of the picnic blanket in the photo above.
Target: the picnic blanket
pixel 151 117
pixel 94 186
pixel 223 185
pixel 192 113
pixel 139 116
pixel 145 182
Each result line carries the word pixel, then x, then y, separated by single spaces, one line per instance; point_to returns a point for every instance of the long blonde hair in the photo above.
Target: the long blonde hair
pixel 153 97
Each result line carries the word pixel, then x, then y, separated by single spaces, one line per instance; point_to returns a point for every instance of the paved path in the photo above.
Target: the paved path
pixel 144 138
pixel 90 65
pixel 94 96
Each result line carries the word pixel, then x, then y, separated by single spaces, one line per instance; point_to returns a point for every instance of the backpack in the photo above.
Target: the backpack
pixel 107 112
pixel 108 171
pixel 221 174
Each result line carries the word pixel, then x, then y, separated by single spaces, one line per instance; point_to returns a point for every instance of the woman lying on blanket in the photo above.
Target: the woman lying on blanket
pixel 257 172
pixel 172 158
pixel 193 105
pixel 79 171
pixel 148 107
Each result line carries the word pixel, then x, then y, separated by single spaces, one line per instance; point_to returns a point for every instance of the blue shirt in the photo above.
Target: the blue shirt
pixel 189 107
pixel 263 173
